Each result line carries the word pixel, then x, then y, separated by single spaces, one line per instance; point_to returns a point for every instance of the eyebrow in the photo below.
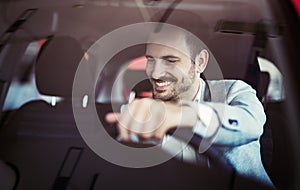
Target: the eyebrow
pixel 166 57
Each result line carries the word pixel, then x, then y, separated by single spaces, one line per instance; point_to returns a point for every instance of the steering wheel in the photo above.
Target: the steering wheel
pixel 214 155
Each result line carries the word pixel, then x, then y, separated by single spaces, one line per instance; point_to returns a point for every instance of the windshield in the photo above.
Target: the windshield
pixel 66 55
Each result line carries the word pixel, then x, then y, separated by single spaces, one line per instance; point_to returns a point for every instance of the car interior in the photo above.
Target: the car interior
pixel 44 44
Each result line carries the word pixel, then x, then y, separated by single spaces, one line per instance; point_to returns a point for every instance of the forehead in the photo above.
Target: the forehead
pixel 163 43
pixel 159 51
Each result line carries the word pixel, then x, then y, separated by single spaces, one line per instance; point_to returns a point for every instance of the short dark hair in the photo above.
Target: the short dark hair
pixel 179 18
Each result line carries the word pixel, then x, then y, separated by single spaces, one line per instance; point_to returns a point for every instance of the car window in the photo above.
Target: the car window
pixel 23 88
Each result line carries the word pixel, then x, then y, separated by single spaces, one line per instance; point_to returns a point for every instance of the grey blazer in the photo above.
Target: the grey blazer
pixel 241 119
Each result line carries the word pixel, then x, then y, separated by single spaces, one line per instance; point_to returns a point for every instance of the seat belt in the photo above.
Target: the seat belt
pixel 253 70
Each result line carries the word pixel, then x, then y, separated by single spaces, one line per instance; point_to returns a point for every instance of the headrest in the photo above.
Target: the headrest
pixel 56 66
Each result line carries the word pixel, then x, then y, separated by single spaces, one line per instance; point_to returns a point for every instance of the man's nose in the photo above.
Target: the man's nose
pixel 159 70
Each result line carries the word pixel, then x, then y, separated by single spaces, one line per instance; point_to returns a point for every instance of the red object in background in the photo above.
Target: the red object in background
pixel 138 64
pixel 41 42
pixel 296 4
pixel 146 94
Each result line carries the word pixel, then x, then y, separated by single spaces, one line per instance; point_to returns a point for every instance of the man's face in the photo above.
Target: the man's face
pixel 171 73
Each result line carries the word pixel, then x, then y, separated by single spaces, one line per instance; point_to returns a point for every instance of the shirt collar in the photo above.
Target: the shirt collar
pixel 200 94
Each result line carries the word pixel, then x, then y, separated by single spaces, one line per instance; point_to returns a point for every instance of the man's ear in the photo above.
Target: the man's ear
pixel 201 61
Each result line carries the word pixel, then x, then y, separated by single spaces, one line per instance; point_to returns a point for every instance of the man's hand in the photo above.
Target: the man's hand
pixel 148 118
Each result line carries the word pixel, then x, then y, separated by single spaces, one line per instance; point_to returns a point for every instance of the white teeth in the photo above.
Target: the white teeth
pixel 160 84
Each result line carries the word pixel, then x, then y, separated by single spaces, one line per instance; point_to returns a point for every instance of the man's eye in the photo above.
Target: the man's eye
pixel 171 61
pixel 150 60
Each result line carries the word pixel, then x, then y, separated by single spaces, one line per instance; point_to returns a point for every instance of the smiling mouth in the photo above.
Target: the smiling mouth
pixel 161 85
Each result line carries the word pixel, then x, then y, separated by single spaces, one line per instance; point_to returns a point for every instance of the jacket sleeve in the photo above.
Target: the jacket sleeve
pixel 240 119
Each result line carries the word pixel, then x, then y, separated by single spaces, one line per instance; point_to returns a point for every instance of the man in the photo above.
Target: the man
pixel 225 113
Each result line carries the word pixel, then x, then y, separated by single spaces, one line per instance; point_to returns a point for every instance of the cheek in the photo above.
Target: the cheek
pixel 149 70
pixel 180 73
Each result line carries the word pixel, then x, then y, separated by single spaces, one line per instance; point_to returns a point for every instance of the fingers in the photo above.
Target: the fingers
pixel 112 117
pixel 139 117
pixel 143 117
pixel 131 123
pixel 124 124
pixel 153 127
pixel 123 133
pixel 115 118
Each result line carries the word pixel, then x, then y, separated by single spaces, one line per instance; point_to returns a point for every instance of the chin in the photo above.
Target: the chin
pixel 166 97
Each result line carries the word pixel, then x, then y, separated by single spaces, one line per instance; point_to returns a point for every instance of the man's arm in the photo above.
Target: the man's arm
pixel 237 122
pixel 148 118
pixel 240 120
